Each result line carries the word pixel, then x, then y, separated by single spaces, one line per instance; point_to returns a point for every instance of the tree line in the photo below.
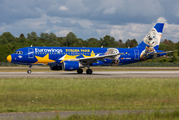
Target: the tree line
pixel 9 43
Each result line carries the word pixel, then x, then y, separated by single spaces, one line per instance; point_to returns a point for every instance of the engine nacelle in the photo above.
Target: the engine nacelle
pixel 55 67
pixel 97 63
pixel 71 65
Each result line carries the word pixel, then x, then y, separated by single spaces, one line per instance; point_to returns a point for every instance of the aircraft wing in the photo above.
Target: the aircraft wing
pixel 90 60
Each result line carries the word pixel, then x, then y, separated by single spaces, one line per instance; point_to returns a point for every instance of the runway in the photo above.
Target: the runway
pixel 96 74
pixel 65 114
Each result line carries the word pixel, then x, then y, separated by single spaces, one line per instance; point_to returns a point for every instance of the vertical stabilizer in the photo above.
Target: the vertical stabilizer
pixel 150 43
pixel 152 39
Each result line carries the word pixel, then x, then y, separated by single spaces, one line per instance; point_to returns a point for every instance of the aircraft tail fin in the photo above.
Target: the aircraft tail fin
pixel 152 39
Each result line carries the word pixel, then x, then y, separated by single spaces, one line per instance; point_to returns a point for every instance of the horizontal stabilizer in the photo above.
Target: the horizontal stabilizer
pixel 155 54
pixel 159 53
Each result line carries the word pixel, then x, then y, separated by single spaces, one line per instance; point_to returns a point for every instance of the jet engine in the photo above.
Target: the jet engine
pixel 71 65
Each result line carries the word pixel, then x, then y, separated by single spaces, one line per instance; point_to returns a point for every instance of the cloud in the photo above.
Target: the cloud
pixel 12 11
pixel 109 11
pixel 119 18
pixel 62 33
pixel 161 20
pixel 47 31
pixel 63 8
pixel 2 29
pixel 85 23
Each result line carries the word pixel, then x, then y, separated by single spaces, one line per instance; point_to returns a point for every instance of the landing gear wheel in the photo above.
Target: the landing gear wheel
pixel 79 71
pixel 29 71
pixel 89 71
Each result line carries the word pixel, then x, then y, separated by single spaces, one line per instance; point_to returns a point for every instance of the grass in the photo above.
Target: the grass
pixel 146 116
pixel 78 94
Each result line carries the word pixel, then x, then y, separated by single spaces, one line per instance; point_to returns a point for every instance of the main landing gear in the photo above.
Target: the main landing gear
pixel 29 71
pixel 88 71
pixel 79 71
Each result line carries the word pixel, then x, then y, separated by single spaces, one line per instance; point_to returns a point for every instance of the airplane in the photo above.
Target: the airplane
pixel 76 58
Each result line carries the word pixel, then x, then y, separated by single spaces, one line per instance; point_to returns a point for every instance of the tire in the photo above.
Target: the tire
pixel 79 71
pixel 29 71
pixel 89 71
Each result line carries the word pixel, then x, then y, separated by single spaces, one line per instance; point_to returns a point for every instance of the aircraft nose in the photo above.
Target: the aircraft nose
pixel 9 58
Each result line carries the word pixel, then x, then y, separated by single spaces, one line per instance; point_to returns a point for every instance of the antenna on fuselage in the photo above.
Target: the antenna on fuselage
pixel 31 45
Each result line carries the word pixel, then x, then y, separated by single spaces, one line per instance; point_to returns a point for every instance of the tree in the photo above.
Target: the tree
pixel 170 46
pixel 163 46
pixel 53 40
pixel 93 42
pixel 80 43
pixel 70 39
pixel 177 47
pixel 8 36
pixel 120 44
pixel 134 43
pixel 131 43
pixel 21 35
pixel 3 40
pixel 32 36
pixel 44 36
pixel 60 40
pixel 175 56
pixel 107 41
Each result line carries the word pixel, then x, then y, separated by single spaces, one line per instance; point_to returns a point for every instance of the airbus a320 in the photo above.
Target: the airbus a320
pixel 76 58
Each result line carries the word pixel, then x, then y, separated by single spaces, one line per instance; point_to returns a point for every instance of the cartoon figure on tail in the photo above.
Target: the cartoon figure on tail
pixel 152 41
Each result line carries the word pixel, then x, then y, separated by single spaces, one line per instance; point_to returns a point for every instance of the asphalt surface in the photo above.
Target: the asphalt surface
pixel 96 68
pixel 101 74
pixel 47 115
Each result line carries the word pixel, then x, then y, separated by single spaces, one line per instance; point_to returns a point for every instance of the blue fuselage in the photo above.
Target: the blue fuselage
pixel 56 55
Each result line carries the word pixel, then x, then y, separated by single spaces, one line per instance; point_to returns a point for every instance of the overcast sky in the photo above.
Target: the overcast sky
pixel 121 19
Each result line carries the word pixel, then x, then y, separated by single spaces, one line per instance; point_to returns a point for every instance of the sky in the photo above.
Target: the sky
pixel 121 19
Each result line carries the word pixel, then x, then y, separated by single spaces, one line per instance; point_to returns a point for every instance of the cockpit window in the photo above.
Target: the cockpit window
pixel 18 52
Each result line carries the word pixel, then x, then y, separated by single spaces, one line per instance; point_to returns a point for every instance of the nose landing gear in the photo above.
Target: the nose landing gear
pixel 29 71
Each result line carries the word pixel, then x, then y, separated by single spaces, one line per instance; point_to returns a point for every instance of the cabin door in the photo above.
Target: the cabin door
pixel 136 54
pixel 30 53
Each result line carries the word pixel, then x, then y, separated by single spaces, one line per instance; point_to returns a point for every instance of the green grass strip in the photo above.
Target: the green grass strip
pixel 92 94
